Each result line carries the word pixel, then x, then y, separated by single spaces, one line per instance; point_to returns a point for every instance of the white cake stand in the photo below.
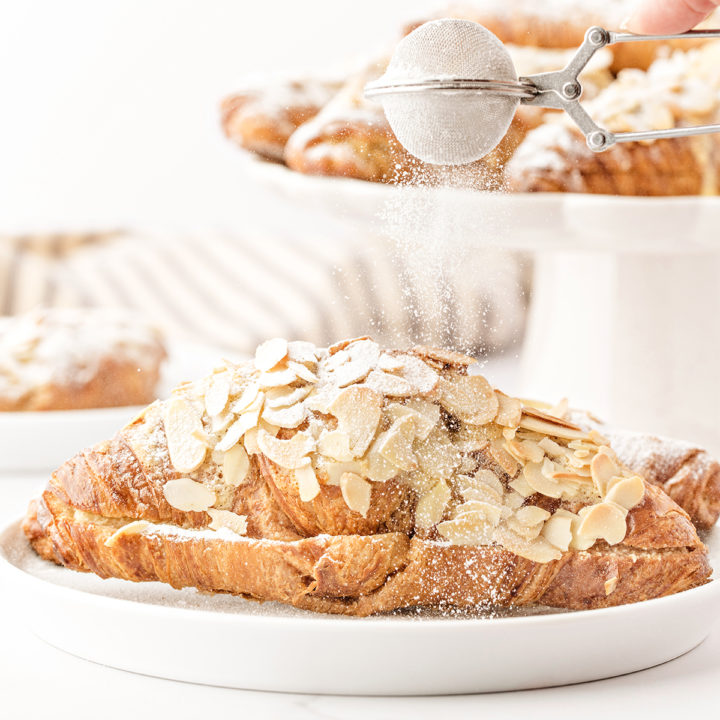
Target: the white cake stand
pixel 626 291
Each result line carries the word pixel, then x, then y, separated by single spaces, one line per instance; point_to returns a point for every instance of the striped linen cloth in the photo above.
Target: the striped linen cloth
pixel 234 291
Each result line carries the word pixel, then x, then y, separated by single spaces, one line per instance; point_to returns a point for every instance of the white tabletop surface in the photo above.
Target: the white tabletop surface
pixel 37 681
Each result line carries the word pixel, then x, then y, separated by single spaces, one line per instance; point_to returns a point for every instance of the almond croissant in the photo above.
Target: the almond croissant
pixel 355 480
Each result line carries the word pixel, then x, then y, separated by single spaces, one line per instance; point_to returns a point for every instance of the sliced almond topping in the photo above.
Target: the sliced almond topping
pixel 513 500
pixel 389 385
pixel 487 478
pixel 302 352
pixel 277 378
pixel 471 438
pixel 379 469
pixel 236 465
pixel 560 410
pixel 558 531
pixel 610 585
pixel 289 454
pixel 286 396
pixel 429 414
pixel 303 372
pixel 553 449
pixel 418 374
pixel 270 353
pixel 247 398
pixel 182 423
pixel 497 453
pixel 469 398
pixel 420 482
pixel 549 428
pixel 342 344
pixel 521 486
pixel 244 423
pixel 217 394
pixel 445 357
pixel 603 468
pixel 320 399
pixel 220 423
pixel 539 481
pixel 531 515
pixel 362 356
pixel 528 532
pixel 467 529
pixel 308 485
pixel 525 450
pixel 396 444
pixel 481 492
pixel 537 550
pixel 331 472
pixel 356 492
pixel 228 520
pixel 509 410
pixel 187 495
pixel 133 528
pixel 627 492
pixel 285 417
pixel 490 512
pixel 358 410
pixel 335 444
pixel 431 506
pixel 437 455
pixel 604 520
pixel 390 364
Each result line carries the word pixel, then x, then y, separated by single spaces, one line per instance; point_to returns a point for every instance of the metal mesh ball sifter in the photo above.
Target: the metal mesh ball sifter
pixel 451 90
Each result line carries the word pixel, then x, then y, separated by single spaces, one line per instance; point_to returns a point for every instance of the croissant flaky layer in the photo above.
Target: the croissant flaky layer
pixel 356 480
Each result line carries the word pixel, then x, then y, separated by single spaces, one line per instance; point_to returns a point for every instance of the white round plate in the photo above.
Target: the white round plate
pixel 41 441
pixel 150 628
pixel 526 221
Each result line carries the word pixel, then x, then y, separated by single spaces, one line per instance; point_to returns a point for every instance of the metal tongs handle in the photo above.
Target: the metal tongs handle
pixel 562 90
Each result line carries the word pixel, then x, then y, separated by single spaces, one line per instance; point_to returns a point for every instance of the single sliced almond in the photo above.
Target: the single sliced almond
pixel 183 428
pixel 528 532
pixel 217 394
pixel 378 468
pixel 277 378
pixel 540 482
pixel 303 372
pixel 509 410
pixel 423 378
pixel 270 353
pixel 445 357
pixel 332 471
pixel 342 344
pixel 356 492
pixel 627 492
pixel 133 528
pixel 557 530
pixel 553 449
pixel 468 529
pixel 431 506
pixel 491 513
pixel 531 515
pixel 610 585
pixel 389 385
pixel 335 444
pixel 236 465
pixel 302 352
pixel 396 444
pixel 224 519
pixel 521 486
pixel 604 520
pixel 308 485
pixel 187 495
pixel 281 397
pixel 603 468
pixel 538 550
pixel 429 414
pixel 513 500
pixel 437 455
pixel 358 410
pixel 289 454
pixel 285 417
pixel 389 363
pixel 248 397
pixel 245 422
pixel 469 398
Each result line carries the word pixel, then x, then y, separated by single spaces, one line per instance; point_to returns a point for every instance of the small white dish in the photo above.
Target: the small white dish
pixel 41 441
pixel 150 628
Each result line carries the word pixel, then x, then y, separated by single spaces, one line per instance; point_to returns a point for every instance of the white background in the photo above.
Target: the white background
pixel 109 110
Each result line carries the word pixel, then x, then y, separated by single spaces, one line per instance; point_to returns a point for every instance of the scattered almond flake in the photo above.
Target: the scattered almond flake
pixel 549 428
pixel 333 471
pixel 388 363
pixel 303 352
pixel 626 492
pixel 468 529
pixel 245 422
pixel 226 519
pixel 509 410
pixel 552 419
pixel 250 442
pixel 342 344
pixel 270 353
pixel 497 453
pixel 603 468
pixel 429 414
pixel 551 448
pixel 396 444
pixel 308 485
pixel 604 520
pixel 480 492
pixel 358 410
pixel 217 393
pixel 389 385
pixel 513 500
pixel 277 378
pixel 303 372
pixel 356 492
pixel 531 515
pixel 423 424
pixel 539 481
pixel 423 378
pixel 420 482
pixel 247 397
pixel 431 505
pixel 220 423
pixel 610 585
pixel 289 454
pixel 560 410
pixel 358 366
pixel 557 531
pixel 469 398
pixel 336 360
pixel 446 357
pixel 488 477
pixel 538 550
pixel 187 495
pixel 235 464
pixel 527 532
pixel 335 444
pixel 182 420
pixel 378 469
pixel 521 486
pixel 489 512
pixel 285 417
pixel 133 528
pixel 471 438
pixel 437 455
pixel 280 397
pixel 523 450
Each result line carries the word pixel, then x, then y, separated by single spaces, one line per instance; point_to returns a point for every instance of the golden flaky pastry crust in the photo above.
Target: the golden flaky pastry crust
pixel 448 519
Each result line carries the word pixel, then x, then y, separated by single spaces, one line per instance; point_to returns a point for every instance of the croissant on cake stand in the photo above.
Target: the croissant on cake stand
pixel 358 480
